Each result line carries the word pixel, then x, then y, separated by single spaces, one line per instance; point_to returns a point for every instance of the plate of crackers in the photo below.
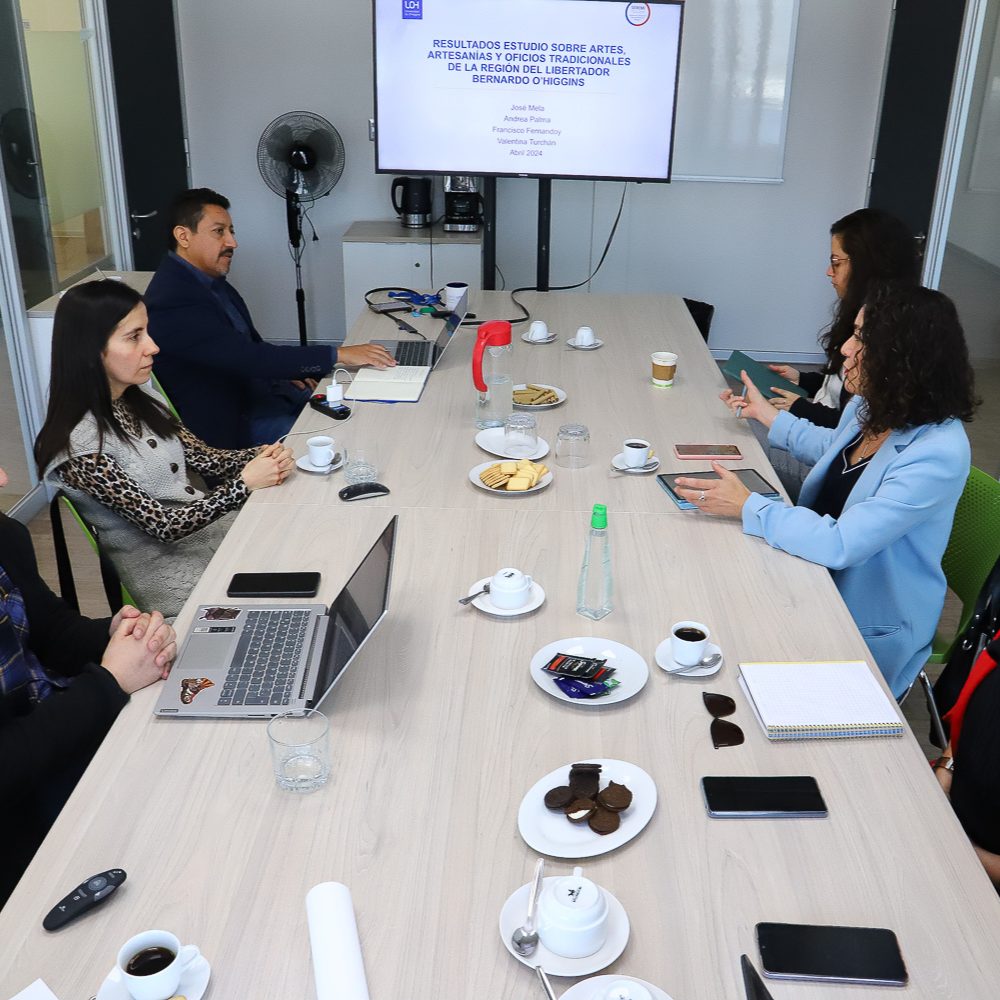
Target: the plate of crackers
pixel 511 478
pixel 538 396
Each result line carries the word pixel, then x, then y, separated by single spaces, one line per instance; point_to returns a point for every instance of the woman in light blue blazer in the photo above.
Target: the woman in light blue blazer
pixel 878 505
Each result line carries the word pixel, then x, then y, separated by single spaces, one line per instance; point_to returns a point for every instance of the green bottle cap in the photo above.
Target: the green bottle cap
pixel 599 519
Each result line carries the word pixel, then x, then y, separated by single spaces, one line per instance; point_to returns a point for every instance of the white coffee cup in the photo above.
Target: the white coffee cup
pixel 573 916
pixel 453 293
pixel 688 647
pixel 510 589
pixel 584 337
pixel 320 451
pixel 637 452
pixel 539 330
pixel 163 983
pixel 664 367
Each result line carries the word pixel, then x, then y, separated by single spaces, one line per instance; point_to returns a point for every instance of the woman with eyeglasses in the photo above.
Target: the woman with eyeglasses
pixel 878 505
pixel 112 445
pixel 867 245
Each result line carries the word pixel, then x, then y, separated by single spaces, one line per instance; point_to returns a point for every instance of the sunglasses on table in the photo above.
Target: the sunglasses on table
pixel 724 733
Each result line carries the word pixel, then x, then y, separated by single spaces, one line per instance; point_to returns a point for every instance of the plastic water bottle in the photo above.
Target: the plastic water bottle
pixel 593 593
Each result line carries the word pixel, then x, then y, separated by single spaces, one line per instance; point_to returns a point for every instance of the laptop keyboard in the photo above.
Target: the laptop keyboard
pixel 413 352
pixel 266 658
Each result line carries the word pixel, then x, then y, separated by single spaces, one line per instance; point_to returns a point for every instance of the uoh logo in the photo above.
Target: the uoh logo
pixel 413 10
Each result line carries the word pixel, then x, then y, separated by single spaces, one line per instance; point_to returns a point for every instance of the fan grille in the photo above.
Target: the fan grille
pixel 300 152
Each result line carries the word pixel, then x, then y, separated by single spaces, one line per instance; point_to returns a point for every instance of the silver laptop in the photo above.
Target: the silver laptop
pixel 427 353
pixel 255 661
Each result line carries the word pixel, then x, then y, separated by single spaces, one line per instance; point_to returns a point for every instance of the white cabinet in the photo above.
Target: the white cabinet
pixel 379 254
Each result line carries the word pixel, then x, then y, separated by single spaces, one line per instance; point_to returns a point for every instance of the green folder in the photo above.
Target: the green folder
pixel 759 373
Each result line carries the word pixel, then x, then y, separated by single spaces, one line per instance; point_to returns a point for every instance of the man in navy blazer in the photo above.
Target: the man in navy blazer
pixel 230 387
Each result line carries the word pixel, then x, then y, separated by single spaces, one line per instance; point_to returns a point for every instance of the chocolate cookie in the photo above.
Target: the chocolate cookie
pixel 585 780
pixel 580 810
pixel 603 821
pixel 558 797
pixel 615 797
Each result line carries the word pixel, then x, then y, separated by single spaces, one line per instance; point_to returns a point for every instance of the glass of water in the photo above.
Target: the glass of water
pixel 300 749
pixel 361 465
pixel 573 446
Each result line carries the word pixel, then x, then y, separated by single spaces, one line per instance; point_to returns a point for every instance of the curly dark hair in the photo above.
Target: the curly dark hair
pixel 881 248
pixel 914 362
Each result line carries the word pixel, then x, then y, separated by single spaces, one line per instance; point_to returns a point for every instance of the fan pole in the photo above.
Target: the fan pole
pixel 293 216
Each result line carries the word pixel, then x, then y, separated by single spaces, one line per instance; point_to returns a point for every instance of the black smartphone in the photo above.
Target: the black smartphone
pixel 273 585
pixel 868 955
pixel 336 410
pixel 786 795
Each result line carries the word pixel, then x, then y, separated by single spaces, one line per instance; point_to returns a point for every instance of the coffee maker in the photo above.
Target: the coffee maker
pixel 414 205
pixel 463 204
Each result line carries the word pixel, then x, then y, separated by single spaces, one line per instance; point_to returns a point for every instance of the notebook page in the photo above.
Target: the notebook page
pixel 817 694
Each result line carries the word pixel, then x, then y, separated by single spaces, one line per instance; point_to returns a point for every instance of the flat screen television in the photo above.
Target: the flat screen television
pixel 526 88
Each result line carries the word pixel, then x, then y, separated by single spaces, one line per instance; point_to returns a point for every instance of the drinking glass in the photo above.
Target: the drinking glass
pixel 361 465
pixel 520 438
pixel 573 446
pixel 300 749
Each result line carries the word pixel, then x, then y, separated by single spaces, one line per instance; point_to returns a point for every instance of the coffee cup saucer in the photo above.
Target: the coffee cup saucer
pixel 619 464
pixel 512 917
pixel 531 340
pixel 596 987
pixel 665 661
pixel 483 602
pixel 305 465
pixel 584 347
pixel 192 986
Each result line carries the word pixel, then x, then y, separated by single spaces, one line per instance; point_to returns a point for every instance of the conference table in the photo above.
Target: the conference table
pixel 438 731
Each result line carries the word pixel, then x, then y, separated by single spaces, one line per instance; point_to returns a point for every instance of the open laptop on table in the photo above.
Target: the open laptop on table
pixel 415 360
pixel 255 661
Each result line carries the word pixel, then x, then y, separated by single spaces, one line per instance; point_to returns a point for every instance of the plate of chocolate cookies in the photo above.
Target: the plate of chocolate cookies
pixel 587 808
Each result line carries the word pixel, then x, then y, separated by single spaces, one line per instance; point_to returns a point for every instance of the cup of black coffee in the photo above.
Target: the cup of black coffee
pixel 688 641
pixel 152 964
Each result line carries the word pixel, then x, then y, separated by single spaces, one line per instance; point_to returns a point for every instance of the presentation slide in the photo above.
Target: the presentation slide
pixel 554 88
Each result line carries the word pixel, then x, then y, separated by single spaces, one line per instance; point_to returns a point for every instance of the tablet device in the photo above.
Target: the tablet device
pixel 868 955
pixel 776 796
pixel 760 375
pixel 273 585
pixel 750 478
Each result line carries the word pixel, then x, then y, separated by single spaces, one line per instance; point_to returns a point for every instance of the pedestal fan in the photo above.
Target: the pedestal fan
pixel 301 157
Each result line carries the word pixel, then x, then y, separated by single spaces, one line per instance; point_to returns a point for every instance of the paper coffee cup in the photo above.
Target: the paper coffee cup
pixel 453 293
pixel 664 367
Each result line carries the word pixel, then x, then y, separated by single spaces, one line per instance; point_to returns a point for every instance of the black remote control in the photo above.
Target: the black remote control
pixel 83 898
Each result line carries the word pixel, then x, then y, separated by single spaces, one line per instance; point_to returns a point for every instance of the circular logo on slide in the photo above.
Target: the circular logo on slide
pixel 637 13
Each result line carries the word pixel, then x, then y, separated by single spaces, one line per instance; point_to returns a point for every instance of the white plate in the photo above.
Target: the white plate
pixel 549 832
pixel 596 988
pixel 528 340
pixel 579 347
pixel 305 465
pixel 192 986
pixel 476 481
pixel 666 662
pixel 484 603
pixel 512 916
pixel 619 465
pixel 561 393
pixel 491 439
pixel 630 668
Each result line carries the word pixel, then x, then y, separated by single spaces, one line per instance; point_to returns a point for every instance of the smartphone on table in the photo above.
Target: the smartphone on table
pixel 273 585
pixel 709 452
pixel 774 796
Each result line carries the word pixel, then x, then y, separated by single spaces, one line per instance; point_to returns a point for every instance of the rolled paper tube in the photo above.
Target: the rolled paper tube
pixel 336 948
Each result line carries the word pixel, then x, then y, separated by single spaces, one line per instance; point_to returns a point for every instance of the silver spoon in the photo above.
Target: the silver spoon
pixel 468 600
pixel 524 940
pixel 544 979
pixel 707 661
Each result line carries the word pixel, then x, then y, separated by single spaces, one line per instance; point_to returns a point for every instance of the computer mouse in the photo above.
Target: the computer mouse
pixel 363 491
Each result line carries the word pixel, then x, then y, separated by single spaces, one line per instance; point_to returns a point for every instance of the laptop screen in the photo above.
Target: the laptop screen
pixel 356 611
pixel 452 322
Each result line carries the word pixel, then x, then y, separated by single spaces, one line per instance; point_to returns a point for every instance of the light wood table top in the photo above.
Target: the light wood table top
pixel 437 733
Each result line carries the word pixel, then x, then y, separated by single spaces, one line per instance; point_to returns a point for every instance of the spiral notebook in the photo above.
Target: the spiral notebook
pixel 819 700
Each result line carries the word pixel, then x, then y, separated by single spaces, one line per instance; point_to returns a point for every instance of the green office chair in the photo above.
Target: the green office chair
pixel 166 399
pixel 115 591
pixel 973 548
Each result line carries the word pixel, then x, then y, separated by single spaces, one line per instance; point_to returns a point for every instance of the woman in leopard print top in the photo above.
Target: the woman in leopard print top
pixel 112 445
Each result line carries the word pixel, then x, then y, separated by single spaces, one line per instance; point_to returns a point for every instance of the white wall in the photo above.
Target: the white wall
pixel 757 251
